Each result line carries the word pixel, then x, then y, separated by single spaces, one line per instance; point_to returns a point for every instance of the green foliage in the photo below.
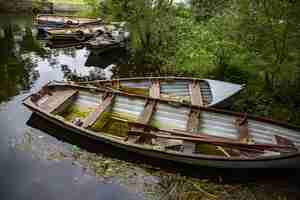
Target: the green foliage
pixel 242 41
pixel 152 29
pixel 254 42
pixel 205 9
pixel 91 8
pixel 271 33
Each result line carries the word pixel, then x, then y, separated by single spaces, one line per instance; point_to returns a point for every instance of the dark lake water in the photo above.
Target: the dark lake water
pixel 25 65
pixel 38 161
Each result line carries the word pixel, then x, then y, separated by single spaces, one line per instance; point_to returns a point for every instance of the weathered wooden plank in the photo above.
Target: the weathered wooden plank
pixel 195 93
pixel 147 113
pixel 193 121
pixel 91 119
pixel 155 89
pixel 50 103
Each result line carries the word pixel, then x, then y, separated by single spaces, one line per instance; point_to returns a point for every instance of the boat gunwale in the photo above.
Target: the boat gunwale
pixel 148 78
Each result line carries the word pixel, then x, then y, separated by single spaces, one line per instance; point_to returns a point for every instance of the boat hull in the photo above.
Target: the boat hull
pixel 284 161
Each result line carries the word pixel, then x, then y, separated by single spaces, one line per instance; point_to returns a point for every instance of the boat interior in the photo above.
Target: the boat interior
pixel 165 125
pixel 178 90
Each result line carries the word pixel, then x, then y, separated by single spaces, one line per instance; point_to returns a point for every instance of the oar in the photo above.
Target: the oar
pixel 241 146
pixel 209 139
pixel 206 138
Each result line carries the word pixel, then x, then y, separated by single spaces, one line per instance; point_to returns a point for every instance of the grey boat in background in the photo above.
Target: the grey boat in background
pixel 200 92
pixel 179 132
pixel 61 21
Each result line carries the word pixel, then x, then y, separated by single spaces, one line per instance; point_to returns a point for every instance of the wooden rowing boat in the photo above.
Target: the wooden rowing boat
pixel 103 41
pixel 77 34
pixel 58 21
pixel 201 92
pixel 161 129
pixel 115 31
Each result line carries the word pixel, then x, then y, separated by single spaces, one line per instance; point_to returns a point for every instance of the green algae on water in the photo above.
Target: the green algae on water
pixel 75 111
pixel 112 123
pixel 208 149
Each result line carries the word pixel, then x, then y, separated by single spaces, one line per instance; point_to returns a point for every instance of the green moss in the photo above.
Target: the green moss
pixel 138 91
pixel 113 123
pixel 208 149
pixel 75 111
pixel 174 97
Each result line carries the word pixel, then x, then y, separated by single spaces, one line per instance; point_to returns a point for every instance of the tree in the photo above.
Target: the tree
pixel 270 28
pixel 205 9
pixel 152 28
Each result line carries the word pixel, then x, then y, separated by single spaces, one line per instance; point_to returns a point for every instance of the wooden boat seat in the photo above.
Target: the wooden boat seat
pixel 147 112
pixel 195 93
pixel 51 102
pixel 92 118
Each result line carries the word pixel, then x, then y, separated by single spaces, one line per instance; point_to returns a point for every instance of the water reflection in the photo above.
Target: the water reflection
pixel 25 65
pixel 17 72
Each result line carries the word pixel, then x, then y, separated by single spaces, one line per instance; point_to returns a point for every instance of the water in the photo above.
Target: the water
pixel 25 65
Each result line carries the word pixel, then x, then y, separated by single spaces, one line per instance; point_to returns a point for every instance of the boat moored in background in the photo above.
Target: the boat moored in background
pixel 201 92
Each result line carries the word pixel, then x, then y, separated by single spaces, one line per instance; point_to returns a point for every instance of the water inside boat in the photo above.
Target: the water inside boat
pixel 81 106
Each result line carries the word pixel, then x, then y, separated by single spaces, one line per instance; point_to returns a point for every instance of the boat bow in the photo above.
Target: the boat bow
pixel 222 90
